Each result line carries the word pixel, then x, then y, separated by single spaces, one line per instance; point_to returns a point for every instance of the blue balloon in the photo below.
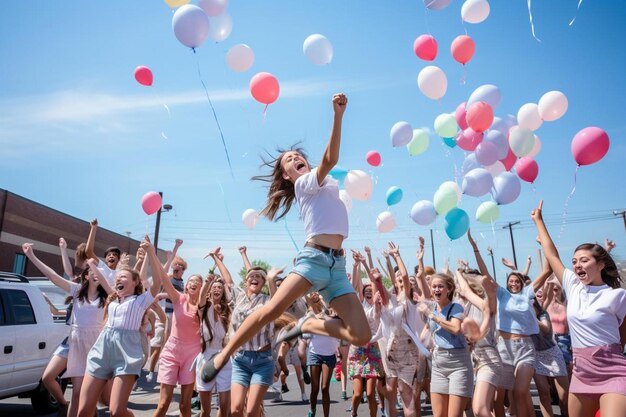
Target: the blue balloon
pixel 457 223
pixel 338 173
pixel 394 195
pixel 488 93
pixel 450 142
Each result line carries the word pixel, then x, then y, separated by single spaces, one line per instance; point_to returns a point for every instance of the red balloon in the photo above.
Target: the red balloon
pixel 462 49
pixel 151 202
pixel 143 75
pixel 425 47
pixel 264 88
pixel 509 161
pixel 590 145
pixel 459 115
pixel 469 139
pixel 527 169
pixel 479 116
pixel 373 158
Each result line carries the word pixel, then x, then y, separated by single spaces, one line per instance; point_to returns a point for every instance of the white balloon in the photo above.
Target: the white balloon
pixel 220 27
pixel 521 141
pixel 249 218
pixel 423 212
pixel 401 134
pixel 552 105
pixel 432 82
pixel 475 11
pixel 453 185
pixel 213 7
pixel 318 49
pixel 191 25
pixel 536 148
pixel 346 199
pixel 385 222
pixel 496 169
pixel 528 116
pixel 240 57
pixel 358 185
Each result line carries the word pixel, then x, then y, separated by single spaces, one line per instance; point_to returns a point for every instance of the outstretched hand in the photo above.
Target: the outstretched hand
pixel 508 263
pixel 536 213
pixel 340 102
pixel 62 243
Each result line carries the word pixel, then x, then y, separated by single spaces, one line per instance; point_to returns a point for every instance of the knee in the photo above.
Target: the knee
pixel 360 335
pixel 185 408
pixel 481 410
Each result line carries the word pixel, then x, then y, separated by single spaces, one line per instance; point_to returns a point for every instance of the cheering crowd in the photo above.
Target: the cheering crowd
pixel 472 345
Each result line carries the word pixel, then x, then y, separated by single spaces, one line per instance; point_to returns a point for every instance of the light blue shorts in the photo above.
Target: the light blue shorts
pixel 325 272
pixel 115 353
pixel 253 368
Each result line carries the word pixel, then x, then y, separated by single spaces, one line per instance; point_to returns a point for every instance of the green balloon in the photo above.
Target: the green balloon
pixel 445 199
pixel 419 143
pixel 487 212
pixel 446 126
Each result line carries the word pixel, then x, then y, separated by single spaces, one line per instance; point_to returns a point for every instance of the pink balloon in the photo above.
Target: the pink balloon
pixel 479 116
pixel 590 145
pixel 264 88
pixel 425 47
pixel 373 158
pixel 509 161
pixel 486 153
pixel 459 115
pixel 462 49
pixel 143 75
pixel 527 169
pixel 151 202
pixel 469 139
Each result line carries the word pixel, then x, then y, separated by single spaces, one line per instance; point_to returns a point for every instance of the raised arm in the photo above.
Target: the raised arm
pixel 368 253
pixel 203 292
pixel 357 284
pixel 159 276
pixel 93 267
pixel 159 311
pixel 394 251
pixel 91 240
pixel 171 255
pixel 331 154
pixel 271 279
pixel 65 258
pixel 479 259
pixel 549 249
pixel 389 267
pixel 541 279
pixel 243 251
pixel 420 277
pixel 45 269
pixel 466 291
pixel 377 281
pixel 141 257
pixel 529 261
pixel 55 311
pixel 218 258
pixel 609 245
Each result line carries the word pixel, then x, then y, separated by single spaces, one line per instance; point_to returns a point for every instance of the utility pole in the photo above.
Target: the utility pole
pixel 158 225
pixel 432 245
pixel 493 263
pixel 621 213
pixel 510 227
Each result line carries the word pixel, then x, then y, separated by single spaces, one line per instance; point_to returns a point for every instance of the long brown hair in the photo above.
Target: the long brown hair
pixel 114 296
pixel 610 275
pixel 83 292
pixel 281 193
pixel 448 280
pixel 224 311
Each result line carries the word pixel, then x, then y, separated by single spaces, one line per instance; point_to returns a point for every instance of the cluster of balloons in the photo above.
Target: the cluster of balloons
pixel 193 25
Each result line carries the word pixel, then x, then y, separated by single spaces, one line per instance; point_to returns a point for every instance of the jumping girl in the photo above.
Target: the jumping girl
pixel 118 352
pixel 596 307
pixel 320 265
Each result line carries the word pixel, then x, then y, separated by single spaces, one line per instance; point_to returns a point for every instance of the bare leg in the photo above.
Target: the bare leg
pixel 56 365
pixel 186 392
pixel 583 406
pixel 224 404
pixel 370 391
pixel 154 358
pixel 498 406
pixel 406 393
pixel 77 382
pixel 255 399
pixel 89 393
pixel 351 325
pixel 440 404
pixel 357 392
pixel 298 370
pixel 562 389
pixel 238 393
pixel 545 400
pixel 343 352
pixel 612 405
pixel 521 391
pixel 205 403
pixel 122 386
pixel 316 372
pixel 165 399
pixel 482 402
pixel 392 393
pixel 327 373
pixel 456 405
pixel 382 392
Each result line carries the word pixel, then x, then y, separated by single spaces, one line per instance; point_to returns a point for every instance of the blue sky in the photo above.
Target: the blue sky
pixel 78 134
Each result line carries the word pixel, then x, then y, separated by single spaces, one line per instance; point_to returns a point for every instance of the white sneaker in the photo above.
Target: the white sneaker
pixel 150 376
pixel 304 398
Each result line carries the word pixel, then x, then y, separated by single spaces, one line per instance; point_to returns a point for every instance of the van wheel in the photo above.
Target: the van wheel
pixel 43 402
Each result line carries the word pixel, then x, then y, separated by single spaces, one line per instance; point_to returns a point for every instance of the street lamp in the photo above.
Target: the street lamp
pixel 165 207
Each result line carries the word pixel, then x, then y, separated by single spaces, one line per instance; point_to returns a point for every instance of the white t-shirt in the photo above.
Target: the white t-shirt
pixel 594 312
pixel 108 273
pixel 320 207
pixel 323 345
pixel 88 313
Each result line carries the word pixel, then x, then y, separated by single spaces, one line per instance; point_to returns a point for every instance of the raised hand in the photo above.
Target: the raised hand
pixel 243 249
pixel 214 253
pixel 141 254
pixel 62 243
pixel 508 263
pixel 357 256
pixel 340 102
pixel 178 243
pixel 274 272
pixel 420 251
pixel 94 223
pixel 394 250
pixel 28 249
pixel 536 213
pixel 376 275
pixel 609 245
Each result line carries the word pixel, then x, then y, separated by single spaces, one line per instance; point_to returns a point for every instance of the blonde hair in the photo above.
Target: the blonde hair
pixel 448 280
pixel 114 296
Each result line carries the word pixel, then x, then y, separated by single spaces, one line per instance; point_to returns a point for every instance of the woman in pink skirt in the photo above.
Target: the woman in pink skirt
pixel 596 308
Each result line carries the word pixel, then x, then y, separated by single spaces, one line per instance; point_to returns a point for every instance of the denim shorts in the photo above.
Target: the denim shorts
pixel 253 368
pixel 313 359
pixel 325 272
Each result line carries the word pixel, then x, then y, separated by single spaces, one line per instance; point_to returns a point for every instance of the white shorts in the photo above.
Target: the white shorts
pixel 222 380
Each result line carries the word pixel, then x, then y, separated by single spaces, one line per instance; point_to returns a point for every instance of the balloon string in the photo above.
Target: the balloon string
pixel 169 115
pixel 217 122
pixel 532 26
pixel 295 245
pixel 426 20
pixel 576 15
pixel 265 113
pixel 464 77
pixel 230 220
pixel 566 205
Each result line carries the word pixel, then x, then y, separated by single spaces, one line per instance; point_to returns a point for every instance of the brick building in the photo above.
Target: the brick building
pixel 23 220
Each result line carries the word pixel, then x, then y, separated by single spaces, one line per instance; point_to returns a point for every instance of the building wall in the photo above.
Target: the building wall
pixel 23 220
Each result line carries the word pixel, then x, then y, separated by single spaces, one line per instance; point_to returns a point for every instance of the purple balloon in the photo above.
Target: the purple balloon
pixel 469 163
pixel 507 188
pixel 477 182
pixel 486 153
pixel 436 4
pixel 500 125
pixel 499 140
pixel 488 93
